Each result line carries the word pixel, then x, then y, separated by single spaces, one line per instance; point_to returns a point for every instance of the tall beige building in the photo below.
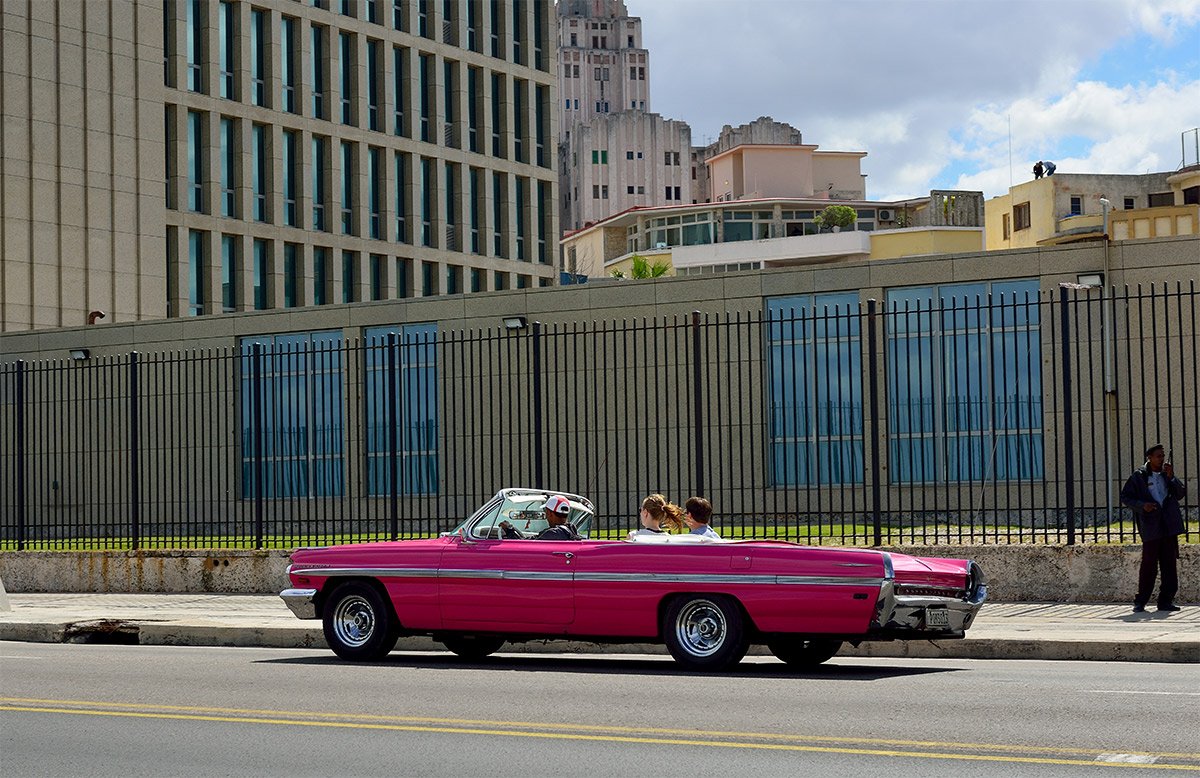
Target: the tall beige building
pixel 614 152
pixel 191 157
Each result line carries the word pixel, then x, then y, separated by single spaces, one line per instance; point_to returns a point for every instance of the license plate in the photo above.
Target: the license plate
pixel 937 617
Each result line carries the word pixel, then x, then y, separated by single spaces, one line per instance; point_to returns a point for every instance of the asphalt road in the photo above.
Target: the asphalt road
pixel 98 710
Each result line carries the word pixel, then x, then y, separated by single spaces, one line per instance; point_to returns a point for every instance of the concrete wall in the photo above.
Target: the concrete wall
pixel 1033 573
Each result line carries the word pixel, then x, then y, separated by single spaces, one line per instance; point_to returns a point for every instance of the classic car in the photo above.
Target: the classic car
pixel 477 587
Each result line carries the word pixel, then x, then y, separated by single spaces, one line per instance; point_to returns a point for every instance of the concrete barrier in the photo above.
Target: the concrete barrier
pixel 1016 573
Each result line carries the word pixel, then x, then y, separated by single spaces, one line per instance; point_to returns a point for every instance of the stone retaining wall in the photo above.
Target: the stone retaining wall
pixel 1026 573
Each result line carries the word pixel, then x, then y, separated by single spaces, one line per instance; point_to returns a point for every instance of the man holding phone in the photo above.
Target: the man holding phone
pixel 1153 494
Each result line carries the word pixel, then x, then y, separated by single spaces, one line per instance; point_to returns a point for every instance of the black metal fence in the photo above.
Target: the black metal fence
pixel 1000 417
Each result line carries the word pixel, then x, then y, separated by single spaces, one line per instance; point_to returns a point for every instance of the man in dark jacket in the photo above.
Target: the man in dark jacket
pixel 1153 494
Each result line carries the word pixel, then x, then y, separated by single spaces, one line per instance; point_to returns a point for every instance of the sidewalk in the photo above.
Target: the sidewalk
pixel 1001 631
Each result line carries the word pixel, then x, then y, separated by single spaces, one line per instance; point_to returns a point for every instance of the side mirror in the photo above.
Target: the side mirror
pixel 463 538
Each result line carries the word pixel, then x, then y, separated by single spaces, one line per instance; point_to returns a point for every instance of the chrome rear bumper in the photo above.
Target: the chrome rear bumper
pixel 908 616
pixel 301 602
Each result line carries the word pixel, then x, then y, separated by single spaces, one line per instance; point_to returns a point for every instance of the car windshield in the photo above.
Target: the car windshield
pixel 522 509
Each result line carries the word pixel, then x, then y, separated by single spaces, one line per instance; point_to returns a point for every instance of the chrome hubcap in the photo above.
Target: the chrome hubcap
pixel 701 628
pixel 354 621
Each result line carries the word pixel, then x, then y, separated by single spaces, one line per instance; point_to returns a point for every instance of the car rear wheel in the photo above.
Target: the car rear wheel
pixel 705 632
pixel 358 623
pixel 798 652
pixel 473 647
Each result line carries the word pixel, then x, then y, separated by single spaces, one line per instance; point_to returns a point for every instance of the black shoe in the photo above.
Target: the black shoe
pixel 1138 608
pixel 1169 607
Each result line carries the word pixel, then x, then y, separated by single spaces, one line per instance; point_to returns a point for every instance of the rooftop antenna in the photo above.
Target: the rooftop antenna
pixel 1010 177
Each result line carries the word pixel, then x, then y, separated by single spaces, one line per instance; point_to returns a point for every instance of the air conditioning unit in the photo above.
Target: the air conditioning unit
pixel 886 215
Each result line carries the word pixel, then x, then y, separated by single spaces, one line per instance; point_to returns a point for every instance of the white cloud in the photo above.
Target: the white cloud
pixel 929 88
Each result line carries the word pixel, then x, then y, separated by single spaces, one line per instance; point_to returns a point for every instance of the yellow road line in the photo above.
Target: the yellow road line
pixel 7 704
pixel 599 728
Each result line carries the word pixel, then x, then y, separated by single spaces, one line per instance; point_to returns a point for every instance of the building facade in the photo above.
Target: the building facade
pixel 938 384
pixel 614 152
pixel 1069 207
pixel 274 154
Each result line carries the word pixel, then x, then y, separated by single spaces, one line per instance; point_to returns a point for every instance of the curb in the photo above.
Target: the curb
pixel 133 632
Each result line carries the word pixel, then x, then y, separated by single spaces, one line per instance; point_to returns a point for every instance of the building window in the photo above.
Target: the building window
pixel 1007 226
pixel 197 271
pixel 378 269
pixel 258 145
pixel 519 204
pixel 299 379
pixel 227 17
pixel 196 147
pixel 426 97
pixel 169 157
pixel 473 108
pixel 318 71
pixel 346 61
pixel 375 191
pixel 1076 205
pixel 321 277
pixel 451 197
pixel 475 195
pixel 320 152
pixel 291 178
pixel 499 222
pixel 1021 217
pixel 815 394
pixel 1130 203
pixel 427 195
pixel 350 277
pixel 373 85
pixel 964 382
pixel 399 92
pixel 518 97
pixel 401 199
pixel 262 274
pixel 347 188
pixel 230 264
pixel 403 410
pixel 287 55
pixel 229 167
pixel 195 45
pixel 258 56
pixel 291 275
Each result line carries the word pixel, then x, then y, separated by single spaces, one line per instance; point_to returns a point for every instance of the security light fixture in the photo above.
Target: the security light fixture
pixel 514 322
pixel 80 353
pixel 1091 279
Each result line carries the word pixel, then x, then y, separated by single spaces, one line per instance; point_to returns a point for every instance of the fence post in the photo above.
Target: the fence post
pixel 537 405
pixel 873 419
pixel 1068 411
pixel 393 439
pixel 135 455
pixel 697 446
pixel 20 451
pixel 259 486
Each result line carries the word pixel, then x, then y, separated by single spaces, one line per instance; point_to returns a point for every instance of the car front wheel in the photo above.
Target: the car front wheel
pixel 358 623
pixel 705 632
pixel 473 647
pixel 803 653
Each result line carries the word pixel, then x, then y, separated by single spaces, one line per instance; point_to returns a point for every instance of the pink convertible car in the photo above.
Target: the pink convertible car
pixel 473 589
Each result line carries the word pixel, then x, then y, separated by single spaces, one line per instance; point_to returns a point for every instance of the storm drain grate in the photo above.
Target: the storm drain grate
pixel 109 632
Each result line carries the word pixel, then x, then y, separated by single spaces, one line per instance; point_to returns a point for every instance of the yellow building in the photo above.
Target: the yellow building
pixel 1067 207
pixel 773 232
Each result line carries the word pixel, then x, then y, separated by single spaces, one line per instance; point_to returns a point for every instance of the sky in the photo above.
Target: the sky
pixel 939 93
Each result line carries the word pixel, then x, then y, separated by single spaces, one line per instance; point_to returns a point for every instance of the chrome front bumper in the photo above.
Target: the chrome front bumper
pixel 301 602
pixel 909 616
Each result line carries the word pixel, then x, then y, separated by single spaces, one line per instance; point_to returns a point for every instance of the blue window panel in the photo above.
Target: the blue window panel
pixel 415 410
pixel 964 377
pixel 302 425
pixel 815 381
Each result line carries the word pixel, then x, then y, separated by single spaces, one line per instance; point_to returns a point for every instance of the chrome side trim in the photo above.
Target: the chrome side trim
pixel 373 572
pixel 546 575
pixel 301 602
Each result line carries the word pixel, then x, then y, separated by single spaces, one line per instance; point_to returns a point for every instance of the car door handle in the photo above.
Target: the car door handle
pixel 567 554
